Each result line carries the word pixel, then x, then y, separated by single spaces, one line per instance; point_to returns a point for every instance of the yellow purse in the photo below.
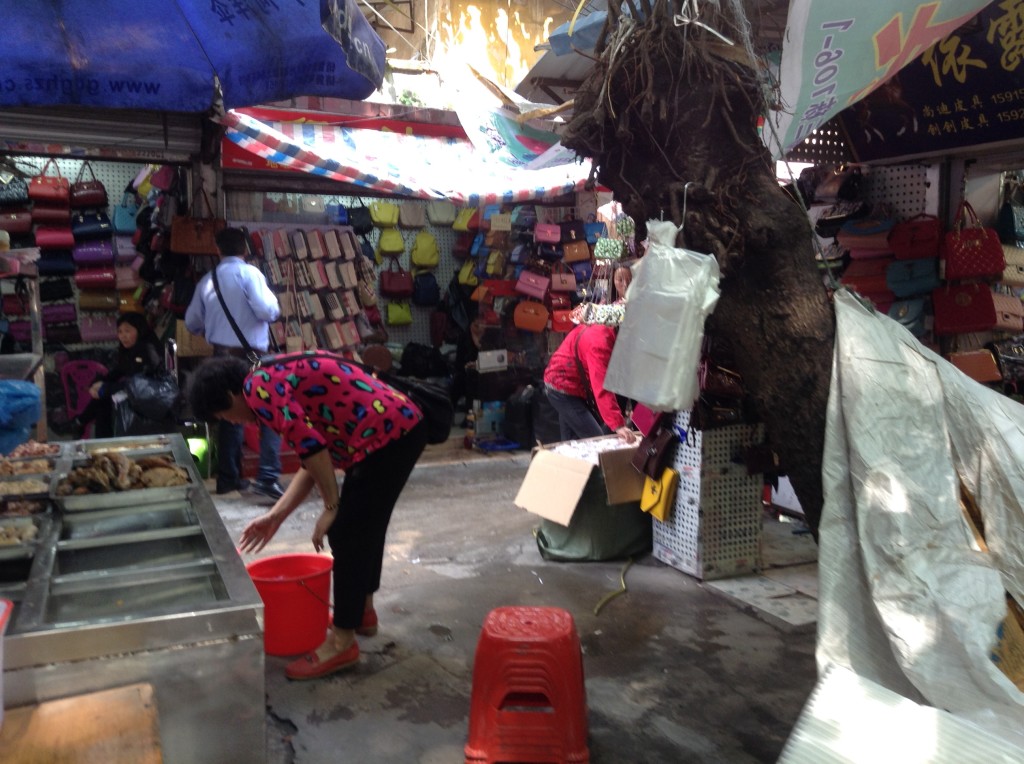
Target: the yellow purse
pixel 659 495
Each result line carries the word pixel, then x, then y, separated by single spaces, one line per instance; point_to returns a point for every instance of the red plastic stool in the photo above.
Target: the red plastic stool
pixel 528 703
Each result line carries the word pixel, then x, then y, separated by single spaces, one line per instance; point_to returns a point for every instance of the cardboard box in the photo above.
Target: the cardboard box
pixel 190 345
pixel 554 482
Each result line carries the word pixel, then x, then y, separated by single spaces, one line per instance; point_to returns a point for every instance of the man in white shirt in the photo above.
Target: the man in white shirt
pixel 237 322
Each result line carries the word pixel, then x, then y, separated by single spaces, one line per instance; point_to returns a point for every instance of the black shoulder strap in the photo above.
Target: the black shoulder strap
pixel 231 319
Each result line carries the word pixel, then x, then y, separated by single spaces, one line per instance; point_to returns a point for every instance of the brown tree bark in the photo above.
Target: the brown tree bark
pixel 670 112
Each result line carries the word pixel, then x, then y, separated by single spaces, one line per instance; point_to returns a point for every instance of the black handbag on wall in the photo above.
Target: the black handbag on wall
pixel 54 290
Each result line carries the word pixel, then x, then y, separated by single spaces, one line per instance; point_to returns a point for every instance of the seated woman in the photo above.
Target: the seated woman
pixel 138 352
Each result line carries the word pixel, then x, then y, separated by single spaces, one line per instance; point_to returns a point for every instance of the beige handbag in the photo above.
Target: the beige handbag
pixel 440 212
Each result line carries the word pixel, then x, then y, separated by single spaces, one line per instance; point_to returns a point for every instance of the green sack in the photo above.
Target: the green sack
pixel 597 530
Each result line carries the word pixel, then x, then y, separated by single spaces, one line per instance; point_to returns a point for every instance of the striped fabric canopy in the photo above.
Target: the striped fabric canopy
pixel 407 165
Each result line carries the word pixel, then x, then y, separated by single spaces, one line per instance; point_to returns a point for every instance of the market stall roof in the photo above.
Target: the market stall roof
pixel 427 167
pixel 829 59
pixel 172 55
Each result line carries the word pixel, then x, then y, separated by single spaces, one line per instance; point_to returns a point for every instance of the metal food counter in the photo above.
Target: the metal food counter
pixel 141 584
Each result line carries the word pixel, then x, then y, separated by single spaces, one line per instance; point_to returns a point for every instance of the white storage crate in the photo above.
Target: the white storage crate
pixel 714 529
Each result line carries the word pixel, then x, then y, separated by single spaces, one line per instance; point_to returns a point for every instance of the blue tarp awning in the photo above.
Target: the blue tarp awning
pixel 169 55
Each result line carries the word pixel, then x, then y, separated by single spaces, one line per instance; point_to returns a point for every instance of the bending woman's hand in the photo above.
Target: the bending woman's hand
pixel 627 434
pixel 259 532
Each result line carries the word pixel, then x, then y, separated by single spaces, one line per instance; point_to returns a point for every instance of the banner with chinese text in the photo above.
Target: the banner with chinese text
pixel 837 52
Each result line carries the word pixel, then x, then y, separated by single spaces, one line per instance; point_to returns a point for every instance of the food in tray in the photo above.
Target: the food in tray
pixel 17 533
pixel 22 507
pixel 108 472
pixel 34 448
pixel 24 466
pixel 22 487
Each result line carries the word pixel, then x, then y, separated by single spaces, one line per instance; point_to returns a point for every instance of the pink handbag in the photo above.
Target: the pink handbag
pixel 563 279
pixel 549 233
pixel 1009 313
pixel 96 278
pixel 98 328
pixel 126 277
pixel 533 284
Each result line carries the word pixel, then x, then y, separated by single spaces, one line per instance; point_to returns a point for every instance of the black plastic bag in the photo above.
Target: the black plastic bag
pixel 153 397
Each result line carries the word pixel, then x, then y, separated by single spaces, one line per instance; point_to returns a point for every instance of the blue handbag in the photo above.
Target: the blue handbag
pixel 906 278
pixel 124 214
pixel 595 231
pixel 583 269
pixel 911 314
pixel 91 225
pixel 56 263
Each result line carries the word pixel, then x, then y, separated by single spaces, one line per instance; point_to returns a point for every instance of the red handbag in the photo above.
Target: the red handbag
pixel 54 237
pixel 396 281
pixel 51 215
pixel 13 305
pixel 530 316
pixel 16 221
pixel 95 278
pixel 972 251
pixel 917 238
pixel 53 190
pixel 87 193
pixel 962 308
pixel 561 321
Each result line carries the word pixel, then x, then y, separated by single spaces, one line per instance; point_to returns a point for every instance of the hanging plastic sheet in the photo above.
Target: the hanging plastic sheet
pixel 907 599
pixel 657 351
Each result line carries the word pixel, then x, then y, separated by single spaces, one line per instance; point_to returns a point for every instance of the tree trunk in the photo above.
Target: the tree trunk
pixel 669 117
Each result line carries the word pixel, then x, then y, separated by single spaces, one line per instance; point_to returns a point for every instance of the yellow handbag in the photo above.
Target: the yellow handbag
pixel 463 219
pixel 384 214
pixel 659 495
pixel 467 276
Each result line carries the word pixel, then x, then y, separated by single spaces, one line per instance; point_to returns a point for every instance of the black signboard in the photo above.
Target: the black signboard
pixel 966 90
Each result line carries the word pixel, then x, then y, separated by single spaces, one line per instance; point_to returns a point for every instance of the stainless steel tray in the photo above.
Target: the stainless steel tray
pixel 43 491
pixel 135 498
pixel 25 549
pixel 127 446
pixel 20 463
pixel 116 522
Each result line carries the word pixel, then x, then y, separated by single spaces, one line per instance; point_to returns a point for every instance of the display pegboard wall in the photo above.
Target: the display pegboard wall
pixel 250 206
pixel 714 528
pixel 115 176
pixel 904 188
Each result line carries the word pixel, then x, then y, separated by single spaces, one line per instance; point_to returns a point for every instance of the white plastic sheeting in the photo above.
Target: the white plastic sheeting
pixel 906 598
pixel 658 348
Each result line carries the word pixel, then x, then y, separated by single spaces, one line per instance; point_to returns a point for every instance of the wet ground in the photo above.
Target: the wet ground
pixel 674 671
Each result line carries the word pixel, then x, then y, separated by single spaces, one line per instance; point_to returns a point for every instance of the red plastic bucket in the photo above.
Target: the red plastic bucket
pixel 296 592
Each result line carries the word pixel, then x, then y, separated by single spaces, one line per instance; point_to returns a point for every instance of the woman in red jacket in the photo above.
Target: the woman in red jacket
pixel 574 379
